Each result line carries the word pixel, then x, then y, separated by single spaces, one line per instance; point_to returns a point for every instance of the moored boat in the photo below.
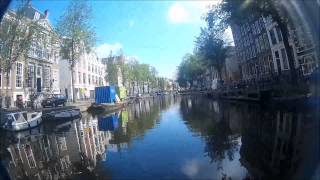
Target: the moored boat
pixel 18 121
pixel 64 114
pixel 106 107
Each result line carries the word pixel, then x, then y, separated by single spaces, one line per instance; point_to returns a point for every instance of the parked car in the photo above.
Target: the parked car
pixel 54 100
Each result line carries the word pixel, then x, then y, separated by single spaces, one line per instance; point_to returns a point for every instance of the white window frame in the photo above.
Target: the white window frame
pixel 44 79
pixel 21 75
pixel 34 69
pixel 36 16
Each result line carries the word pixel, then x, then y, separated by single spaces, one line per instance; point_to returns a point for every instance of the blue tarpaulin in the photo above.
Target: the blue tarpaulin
pixel 105 94
pixel 109 123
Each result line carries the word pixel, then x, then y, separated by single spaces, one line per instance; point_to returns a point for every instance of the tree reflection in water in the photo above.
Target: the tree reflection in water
pixel 209 119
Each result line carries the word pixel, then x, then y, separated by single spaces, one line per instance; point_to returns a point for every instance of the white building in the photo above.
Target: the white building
pixel 89 73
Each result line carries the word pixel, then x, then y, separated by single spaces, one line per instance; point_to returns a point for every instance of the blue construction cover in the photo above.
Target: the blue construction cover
pixel 109 123
pixel 105 94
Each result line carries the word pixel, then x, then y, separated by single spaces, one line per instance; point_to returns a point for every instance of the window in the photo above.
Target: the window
pixel 266 41
pixel 19 75
pixel 257 45
pixel 36 16
pixel 0 78
pixel 258 27
pixel 307 64
pixel 30 75
pixel 276 54
pixel 38 52
pixel 47 77
pixel 39 71
pixel 254 51
pixel 88 67
pixel 84 78
pixel 79 75
pixel 279 33
pixel 284 59
pixel 261 43
pixel 272 36
pixel 253 28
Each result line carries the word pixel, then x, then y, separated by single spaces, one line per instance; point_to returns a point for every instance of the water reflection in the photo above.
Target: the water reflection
pixel 170 137
pixel 272 142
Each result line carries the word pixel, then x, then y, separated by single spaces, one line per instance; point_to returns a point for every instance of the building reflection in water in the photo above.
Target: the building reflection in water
pixel 73 148
pixel 272 142
pixel 281 143
pixel 57 154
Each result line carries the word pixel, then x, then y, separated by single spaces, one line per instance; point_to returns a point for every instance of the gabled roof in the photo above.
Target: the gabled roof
pixel 31 11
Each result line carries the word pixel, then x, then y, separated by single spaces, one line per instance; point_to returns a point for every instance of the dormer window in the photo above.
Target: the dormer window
pixel 36 16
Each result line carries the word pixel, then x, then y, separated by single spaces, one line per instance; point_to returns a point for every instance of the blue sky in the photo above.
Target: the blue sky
pixel 156 32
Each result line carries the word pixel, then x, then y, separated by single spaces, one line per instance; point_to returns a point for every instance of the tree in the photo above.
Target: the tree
pixel 127 76
pixel 212 49
pixel 76 33
pixel 112 71
pixel 190 69
pixel 16 35
pixel 145 75
pixel 153 77
pixel 232 12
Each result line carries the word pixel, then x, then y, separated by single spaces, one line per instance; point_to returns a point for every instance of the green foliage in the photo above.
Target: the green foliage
pixel 211 49
pixel 189 69
pixel 16 36
pixel 112 72
pixel 132 73
pixel 77 34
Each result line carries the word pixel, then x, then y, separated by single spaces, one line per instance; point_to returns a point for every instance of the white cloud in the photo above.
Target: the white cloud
pixel 178 14
pixel 131 23
pixel 104 49
pixel 189 11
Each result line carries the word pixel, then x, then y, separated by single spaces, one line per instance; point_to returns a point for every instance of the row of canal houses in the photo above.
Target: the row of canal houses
pixel 259 55
pixel 43 70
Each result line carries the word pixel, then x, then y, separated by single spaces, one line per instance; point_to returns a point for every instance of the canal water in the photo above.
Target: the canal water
pixel 170 138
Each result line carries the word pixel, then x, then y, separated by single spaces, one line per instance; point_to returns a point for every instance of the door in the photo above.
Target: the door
pixel 38 84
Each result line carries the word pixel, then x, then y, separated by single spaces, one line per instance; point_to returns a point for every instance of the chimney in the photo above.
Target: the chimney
pixel 46 14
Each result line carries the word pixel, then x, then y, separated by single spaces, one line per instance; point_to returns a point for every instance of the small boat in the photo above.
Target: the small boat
pixel 106 107
pixel 65 114
pixel 18 121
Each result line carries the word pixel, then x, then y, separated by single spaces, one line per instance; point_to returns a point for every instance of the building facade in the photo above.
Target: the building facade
pixel 89 72
pixel 261 51
pixel 38 71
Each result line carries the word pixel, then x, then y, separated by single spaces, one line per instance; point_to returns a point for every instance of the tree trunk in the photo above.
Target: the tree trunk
pixel 7 89
pixel 143 90
pixel 133 89
pixel 72 85
pixel 129 89
pixel 72 70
